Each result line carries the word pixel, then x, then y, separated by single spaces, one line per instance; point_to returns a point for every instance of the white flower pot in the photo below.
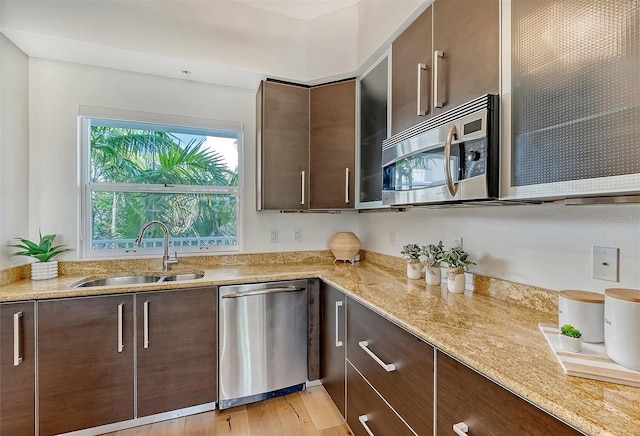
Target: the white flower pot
pixel 414 269
pixel 44 270
pixel 568 343
pixel 456 280
pixel 432 275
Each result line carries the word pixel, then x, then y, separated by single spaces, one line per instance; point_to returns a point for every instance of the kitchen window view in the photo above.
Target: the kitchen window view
pixel 135 173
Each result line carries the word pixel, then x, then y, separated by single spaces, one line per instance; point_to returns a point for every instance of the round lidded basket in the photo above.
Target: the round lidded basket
pixel 345 246
pixel 585 311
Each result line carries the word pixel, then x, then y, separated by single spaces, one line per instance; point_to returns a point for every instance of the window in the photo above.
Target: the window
pixel 136 172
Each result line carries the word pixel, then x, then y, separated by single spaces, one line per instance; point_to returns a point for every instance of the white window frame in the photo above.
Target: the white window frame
pixel 164 121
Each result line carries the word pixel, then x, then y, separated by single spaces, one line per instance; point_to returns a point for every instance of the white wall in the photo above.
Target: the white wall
pixel 57 89
pixel 14 149
pixel 542 245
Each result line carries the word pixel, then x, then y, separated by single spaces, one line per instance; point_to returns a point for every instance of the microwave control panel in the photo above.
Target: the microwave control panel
pixel 475 158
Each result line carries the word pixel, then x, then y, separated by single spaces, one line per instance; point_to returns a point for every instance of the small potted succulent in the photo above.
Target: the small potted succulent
pixel 433 256
pixel 412 252
pixel 570 338
pixel 43 252
pixel 457 261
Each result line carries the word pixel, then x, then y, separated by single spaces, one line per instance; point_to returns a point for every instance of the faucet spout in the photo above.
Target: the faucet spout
pixel 166 259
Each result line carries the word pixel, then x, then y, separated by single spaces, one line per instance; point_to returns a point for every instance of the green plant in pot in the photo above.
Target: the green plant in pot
pixel 457 261
pixel 43 252
pixel 570 338
pixel 412 252
pixel 433 257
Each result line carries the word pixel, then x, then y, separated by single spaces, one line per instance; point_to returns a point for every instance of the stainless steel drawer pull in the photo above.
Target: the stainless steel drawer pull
pixel 421 112
pixel 461 429
pixel 437 54
pixel 145 332
pixel 387 366
pixel 338 306
pixel 363 420
pixel 302 185
pixel 346 185
pixel 263 292
pixel 17 358
pixel 120 333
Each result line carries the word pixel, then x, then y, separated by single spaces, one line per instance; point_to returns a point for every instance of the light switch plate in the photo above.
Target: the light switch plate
pixel 605 263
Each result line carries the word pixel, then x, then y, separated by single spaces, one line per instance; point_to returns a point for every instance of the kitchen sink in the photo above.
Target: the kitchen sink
pixel 136 279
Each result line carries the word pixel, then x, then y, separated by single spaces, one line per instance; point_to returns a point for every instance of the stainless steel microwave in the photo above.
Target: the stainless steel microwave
pixel 450 158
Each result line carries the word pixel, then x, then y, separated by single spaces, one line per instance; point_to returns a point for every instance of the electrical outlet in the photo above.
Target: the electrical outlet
pixel 456 241
pixel 392 238
pixel 297 235
pixel 605 263
pixel 273 236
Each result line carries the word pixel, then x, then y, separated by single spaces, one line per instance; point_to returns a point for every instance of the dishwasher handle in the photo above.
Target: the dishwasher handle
pixel 264 291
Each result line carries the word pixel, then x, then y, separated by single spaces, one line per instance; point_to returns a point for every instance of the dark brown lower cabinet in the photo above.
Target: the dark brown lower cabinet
pixel 17 369
pixel 406 381
pixel 367 412
pixel 465 396
pixel 85 362
pixel 176 345
pixel 333 344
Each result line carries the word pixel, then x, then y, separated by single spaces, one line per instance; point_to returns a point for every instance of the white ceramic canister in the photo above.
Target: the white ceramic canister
pixel 585 311
pixel 622 326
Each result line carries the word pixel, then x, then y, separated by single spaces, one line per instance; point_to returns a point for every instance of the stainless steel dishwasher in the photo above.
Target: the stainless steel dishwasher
pixel 262 341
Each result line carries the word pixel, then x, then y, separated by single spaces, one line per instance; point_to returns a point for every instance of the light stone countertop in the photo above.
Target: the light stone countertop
pixel 498 338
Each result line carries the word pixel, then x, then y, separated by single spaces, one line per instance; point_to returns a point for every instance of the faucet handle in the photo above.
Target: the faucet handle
pixel 174 259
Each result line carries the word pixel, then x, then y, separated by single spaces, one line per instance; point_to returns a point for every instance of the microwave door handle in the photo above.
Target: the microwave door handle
pixel 451 186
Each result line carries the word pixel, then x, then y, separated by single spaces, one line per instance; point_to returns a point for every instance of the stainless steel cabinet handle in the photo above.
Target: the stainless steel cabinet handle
pixel 363 420
pixel 17 358
pixel 346 185
pixel 145 327
pixel 437 54
pixel 387 366
pixel 302 184
pixel 461 429
pixel 263 292
pixel 451 186
pixel 421 113
pixel 120 333
pixel 338 306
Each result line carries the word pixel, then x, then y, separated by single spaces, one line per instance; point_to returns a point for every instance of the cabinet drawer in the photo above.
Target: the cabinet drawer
pixel 466 396
pixel 362 401
pixel 412 377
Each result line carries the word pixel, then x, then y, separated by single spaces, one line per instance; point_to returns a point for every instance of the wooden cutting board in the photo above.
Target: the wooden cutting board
pixel 592 362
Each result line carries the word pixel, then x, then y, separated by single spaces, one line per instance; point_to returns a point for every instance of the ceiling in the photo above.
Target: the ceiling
pixel 229 42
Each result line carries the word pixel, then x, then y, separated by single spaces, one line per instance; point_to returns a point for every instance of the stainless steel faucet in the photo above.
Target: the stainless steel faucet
pixel 166 260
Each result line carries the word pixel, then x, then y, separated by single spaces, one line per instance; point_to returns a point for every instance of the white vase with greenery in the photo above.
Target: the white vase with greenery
pixel 43 252
pixel 411 252
pixel 457 261
pixel 433 256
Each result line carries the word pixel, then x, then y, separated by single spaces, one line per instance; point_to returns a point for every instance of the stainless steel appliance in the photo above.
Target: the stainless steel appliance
pixel 450 158
pixel 262 341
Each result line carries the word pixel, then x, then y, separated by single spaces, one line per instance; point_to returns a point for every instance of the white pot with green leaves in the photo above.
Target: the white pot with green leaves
pixel 433 256
pixel 457 261
pixel 43 252
pixel 412 252
pixel 570 338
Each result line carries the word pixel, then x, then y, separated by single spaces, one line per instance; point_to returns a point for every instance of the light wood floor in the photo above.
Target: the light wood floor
pixel 309 412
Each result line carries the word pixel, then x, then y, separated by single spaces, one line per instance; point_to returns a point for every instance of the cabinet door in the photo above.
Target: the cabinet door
pixel 332 344
pixel 412 376
pixel 367 412
pixel 176 346
pixel 282 130
pixel 467 34
pixel 17 369
pixel 411 63
pixel 85 362
pixel 465 396
pixel 332 146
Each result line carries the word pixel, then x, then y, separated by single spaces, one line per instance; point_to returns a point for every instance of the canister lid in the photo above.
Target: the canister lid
pixel 582 296
pixel 623 294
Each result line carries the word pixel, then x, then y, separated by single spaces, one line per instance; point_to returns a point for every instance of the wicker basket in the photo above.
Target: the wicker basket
pixel 345 246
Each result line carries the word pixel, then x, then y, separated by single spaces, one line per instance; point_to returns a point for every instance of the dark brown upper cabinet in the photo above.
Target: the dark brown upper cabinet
pixel 332 146
pixel 282 141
